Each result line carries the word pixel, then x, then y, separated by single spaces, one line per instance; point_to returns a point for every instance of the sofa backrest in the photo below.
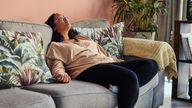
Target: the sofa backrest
pixel 91 23
pixel 45 30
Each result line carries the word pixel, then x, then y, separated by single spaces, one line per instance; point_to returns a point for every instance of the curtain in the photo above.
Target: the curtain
pixel 176 10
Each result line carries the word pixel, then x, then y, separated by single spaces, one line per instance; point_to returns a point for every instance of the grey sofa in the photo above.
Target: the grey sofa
pixel 76 94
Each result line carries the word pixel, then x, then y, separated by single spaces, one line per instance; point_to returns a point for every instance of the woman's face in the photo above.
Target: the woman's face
pixel 61 23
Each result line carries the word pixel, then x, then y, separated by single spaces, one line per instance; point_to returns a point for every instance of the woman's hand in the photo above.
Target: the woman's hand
pixel 63 77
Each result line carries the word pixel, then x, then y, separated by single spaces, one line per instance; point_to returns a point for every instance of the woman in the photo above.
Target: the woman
pixel 71 56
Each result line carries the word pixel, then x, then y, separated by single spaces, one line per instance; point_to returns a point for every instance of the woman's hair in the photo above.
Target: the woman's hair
pixel 56 37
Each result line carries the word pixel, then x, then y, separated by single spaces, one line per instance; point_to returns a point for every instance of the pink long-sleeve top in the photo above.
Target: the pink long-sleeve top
pixel 75 57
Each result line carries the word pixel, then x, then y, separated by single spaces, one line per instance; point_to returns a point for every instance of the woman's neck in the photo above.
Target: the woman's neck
pixel 65 36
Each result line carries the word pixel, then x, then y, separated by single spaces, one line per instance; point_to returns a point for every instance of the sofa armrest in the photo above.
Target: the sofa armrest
pixel 142 47
pixel 159 51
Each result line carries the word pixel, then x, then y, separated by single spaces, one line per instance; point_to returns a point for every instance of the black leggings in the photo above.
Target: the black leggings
pixel 127 75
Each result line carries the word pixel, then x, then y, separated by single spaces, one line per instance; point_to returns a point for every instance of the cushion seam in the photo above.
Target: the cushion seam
pixel 82 94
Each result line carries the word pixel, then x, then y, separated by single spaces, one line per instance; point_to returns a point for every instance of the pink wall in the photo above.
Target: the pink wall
pixel 39 10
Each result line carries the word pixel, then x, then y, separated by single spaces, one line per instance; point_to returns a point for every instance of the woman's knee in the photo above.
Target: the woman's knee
pixel 151 65
pixel 129 78
pixel 150 69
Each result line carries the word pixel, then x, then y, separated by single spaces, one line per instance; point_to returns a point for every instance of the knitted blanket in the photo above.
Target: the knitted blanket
pixel 159 51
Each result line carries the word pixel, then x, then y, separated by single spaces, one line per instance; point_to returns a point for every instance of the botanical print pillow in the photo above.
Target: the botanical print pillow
pixel 110 37
pixel 22 59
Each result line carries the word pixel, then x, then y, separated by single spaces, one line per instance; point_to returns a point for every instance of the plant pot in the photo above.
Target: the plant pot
pixel 142 35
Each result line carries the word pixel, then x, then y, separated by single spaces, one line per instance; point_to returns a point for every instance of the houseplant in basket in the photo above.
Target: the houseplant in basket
pixel 139 16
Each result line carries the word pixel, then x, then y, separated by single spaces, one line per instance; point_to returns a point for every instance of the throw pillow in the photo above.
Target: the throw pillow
pixel 110 38
pixel 22 59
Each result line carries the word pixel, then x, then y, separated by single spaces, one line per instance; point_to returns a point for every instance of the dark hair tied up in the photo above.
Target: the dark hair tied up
pixel 56 37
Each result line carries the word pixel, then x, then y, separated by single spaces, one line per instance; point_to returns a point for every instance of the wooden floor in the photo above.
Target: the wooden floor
pixel 169 103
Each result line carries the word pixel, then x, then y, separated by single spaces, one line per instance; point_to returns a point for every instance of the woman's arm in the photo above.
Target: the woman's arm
pixel 58 70
pixel 55 62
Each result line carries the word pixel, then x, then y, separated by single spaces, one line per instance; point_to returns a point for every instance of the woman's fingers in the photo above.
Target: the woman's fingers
pixel 69 78
pixel 64 77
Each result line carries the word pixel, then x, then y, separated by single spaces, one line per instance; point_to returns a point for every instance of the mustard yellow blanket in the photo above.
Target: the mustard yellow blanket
pixel 159 51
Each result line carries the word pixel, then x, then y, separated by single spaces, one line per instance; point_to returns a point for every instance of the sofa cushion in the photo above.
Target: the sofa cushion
pixel 146 94
pixel 150 85
pixel 44 29
pixel 22 59
pixel 18 98
pixel 145 100
pixel 77 94
pixel 109 37
pixel 144 89
pixel 158 96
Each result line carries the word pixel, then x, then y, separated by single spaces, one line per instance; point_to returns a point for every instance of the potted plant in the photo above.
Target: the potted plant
pixel 139 16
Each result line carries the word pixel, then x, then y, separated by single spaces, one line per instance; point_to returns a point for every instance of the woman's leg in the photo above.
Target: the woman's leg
pixel 125 79
pixel 145 69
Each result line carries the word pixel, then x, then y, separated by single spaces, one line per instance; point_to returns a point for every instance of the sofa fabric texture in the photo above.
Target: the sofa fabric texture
pixel 92 23
pixel 18 98
pixel 76 94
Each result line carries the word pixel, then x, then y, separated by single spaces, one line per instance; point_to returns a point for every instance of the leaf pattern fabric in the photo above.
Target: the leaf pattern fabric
pixel 22 60
pixel 110 38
